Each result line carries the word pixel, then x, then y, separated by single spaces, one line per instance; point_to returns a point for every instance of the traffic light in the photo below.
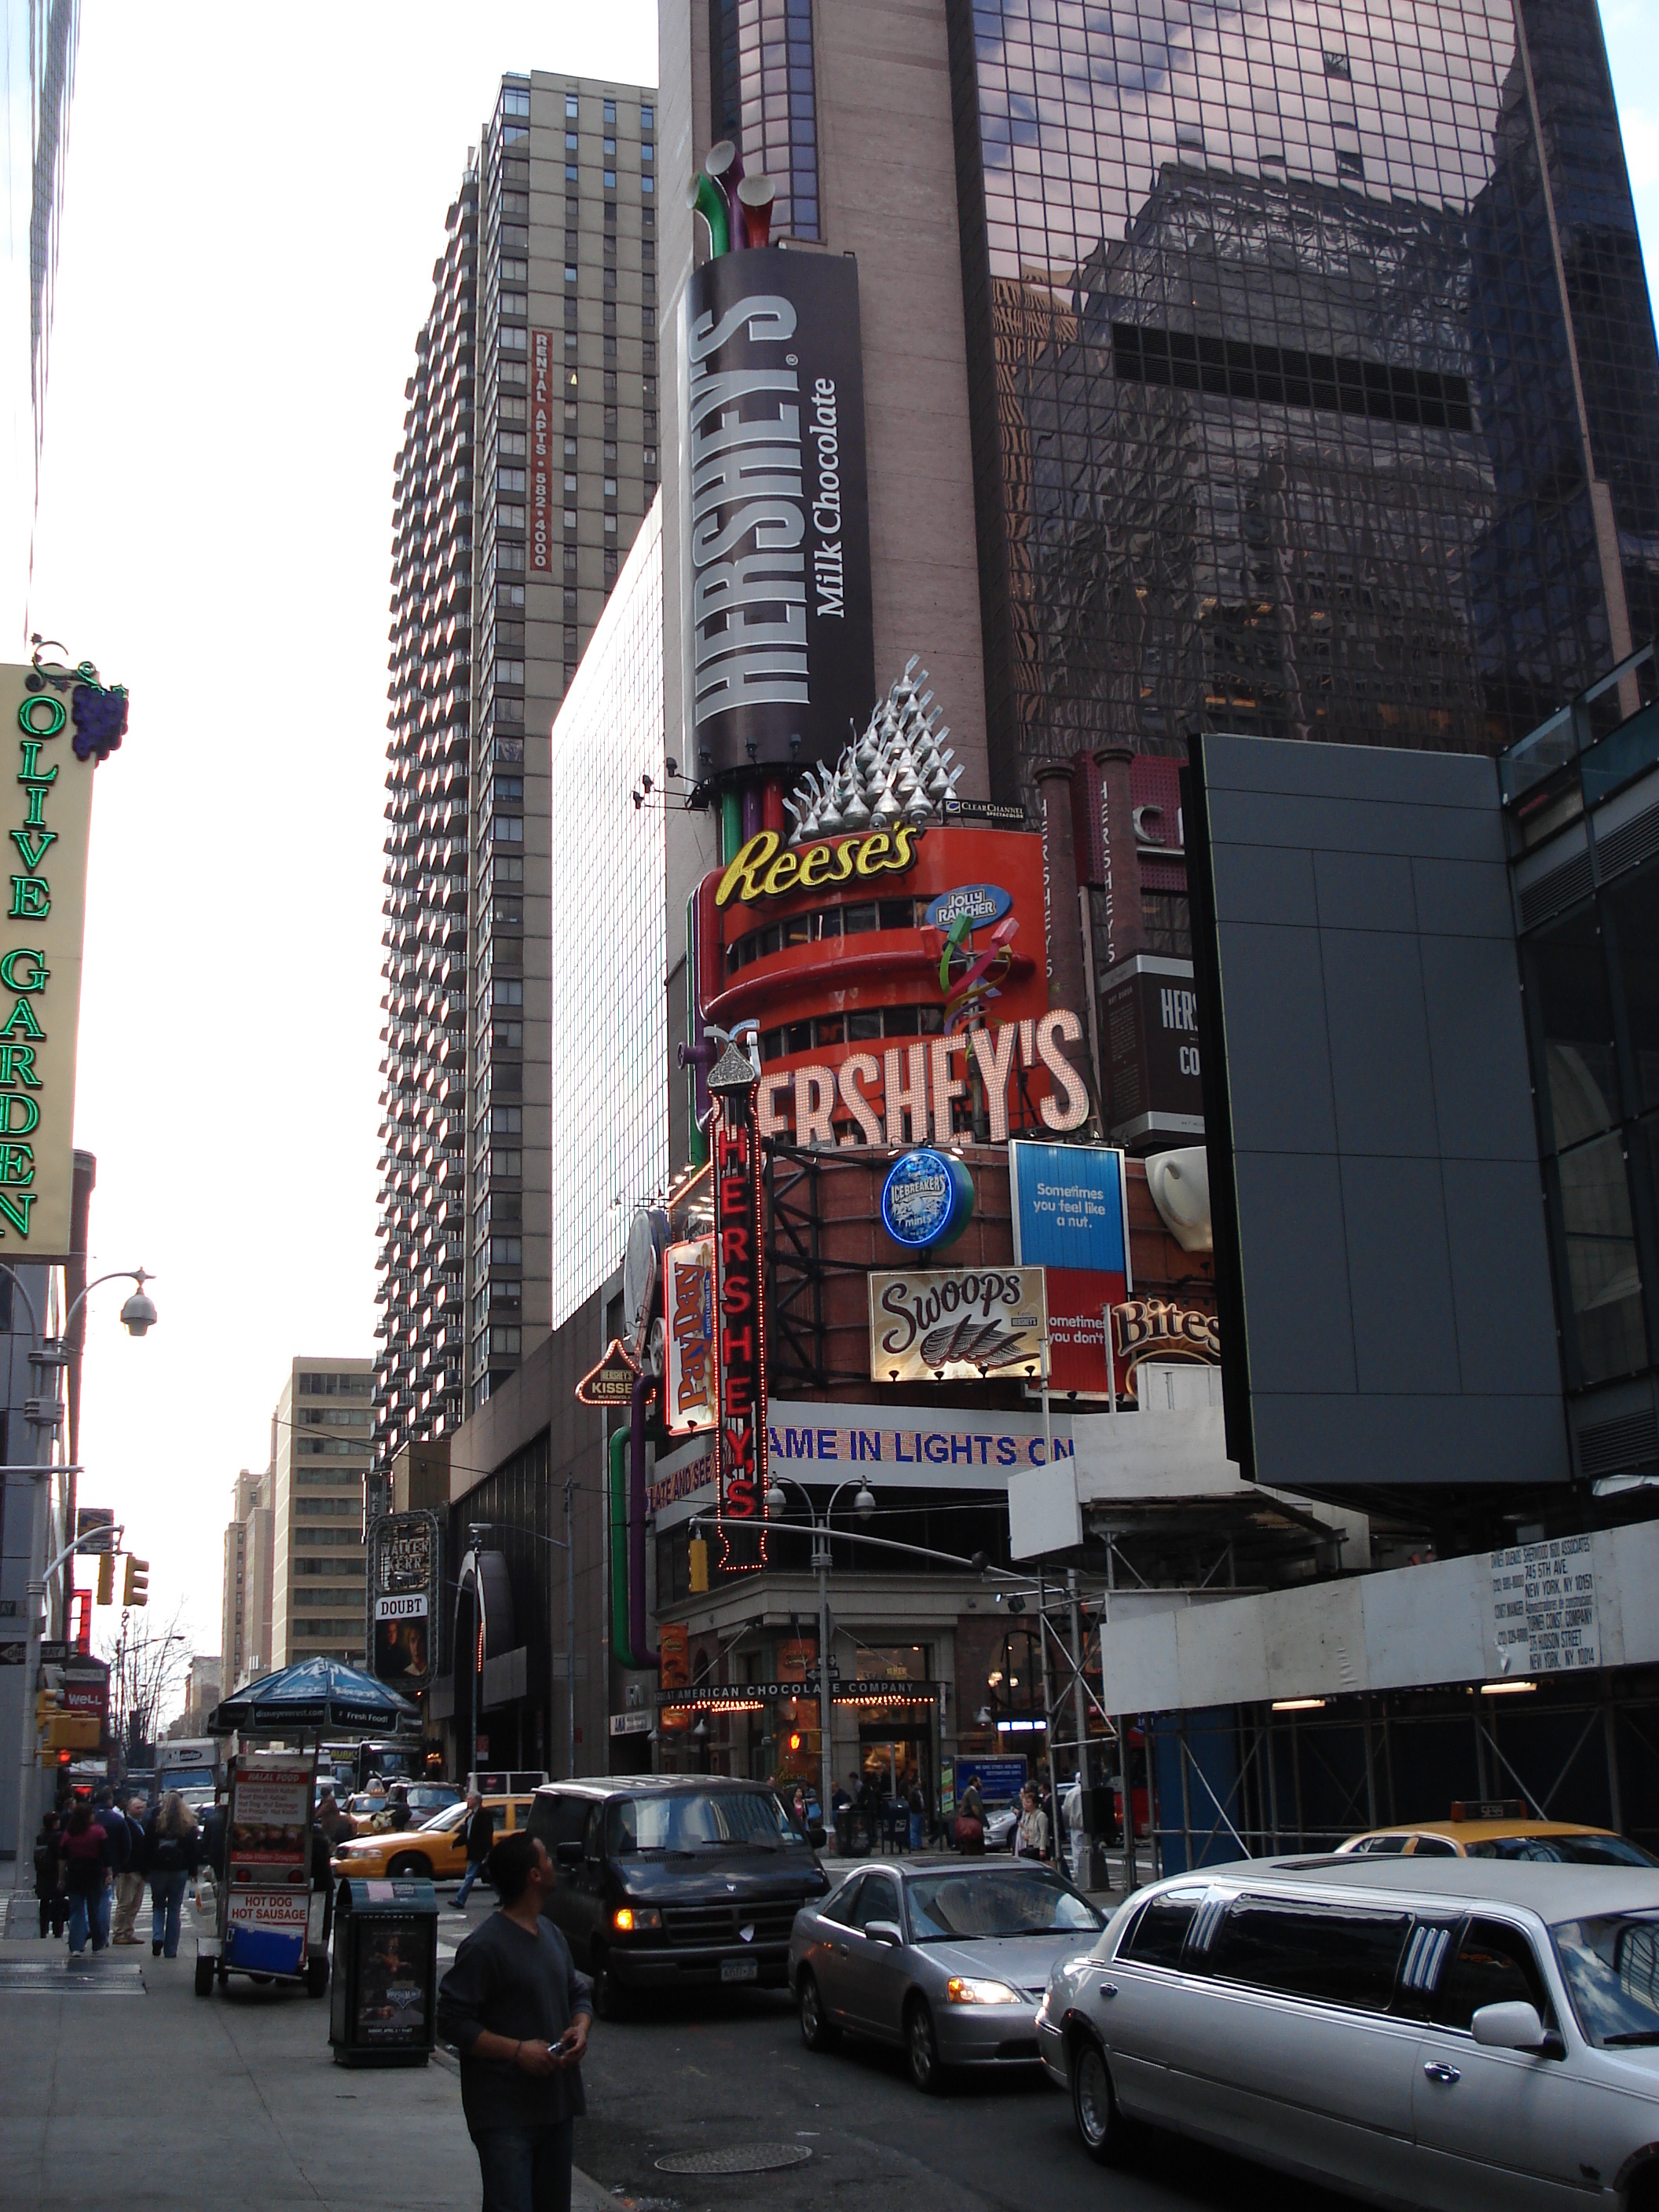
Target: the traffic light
pixel 136 1589
pixel 106 1578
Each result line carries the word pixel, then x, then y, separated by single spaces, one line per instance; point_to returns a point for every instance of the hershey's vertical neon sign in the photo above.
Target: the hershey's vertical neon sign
pixel 740 1364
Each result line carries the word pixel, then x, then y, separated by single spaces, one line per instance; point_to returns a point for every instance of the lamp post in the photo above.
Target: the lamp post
pixel 864 1505
pixel 44 1411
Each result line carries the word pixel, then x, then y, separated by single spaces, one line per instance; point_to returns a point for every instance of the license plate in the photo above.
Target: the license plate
pixel 740 1970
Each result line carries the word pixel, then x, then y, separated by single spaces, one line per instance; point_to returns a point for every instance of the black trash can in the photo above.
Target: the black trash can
pixel 384 2005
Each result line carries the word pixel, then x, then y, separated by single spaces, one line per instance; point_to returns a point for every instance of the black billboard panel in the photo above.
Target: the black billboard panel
pixel 1381 1268
pixel 775 620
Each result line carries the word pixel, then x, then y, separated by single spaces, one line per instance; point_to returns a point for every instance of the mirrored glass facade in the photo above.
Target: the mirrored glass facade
pixel 763 96
pixel 609 1108
pixel 1281 422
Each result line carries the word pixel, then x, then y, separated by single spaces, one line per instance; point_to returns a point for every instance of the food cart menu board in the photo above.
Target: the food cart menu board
pixel 270 1803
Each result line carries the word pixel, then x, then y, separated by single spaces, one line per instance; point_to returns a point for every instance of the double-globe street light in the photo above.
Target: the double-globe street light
pixel 864 1505
pixel 44 1411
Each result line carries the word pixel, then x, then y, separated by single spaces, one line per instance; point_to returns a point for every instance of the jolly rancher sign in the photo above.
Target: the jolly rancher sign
pixel 62 722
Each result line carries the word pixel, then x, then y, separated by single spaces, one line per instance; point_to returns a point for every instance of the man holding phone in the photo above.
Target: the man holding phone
pixel 519 2014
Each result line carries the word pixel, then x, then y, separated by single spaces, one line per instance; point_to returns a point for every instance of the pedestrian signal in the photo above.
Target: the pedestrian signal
pixel 106 1578
pixel 136 1591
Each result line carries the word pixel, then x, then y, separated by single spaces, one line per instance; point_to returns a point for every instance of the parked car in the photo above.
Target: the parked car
pixel 1000 1822
pixel 1445 2032
pixel 437 1851
pixel 947 1957
pixel 1502 1833
pixel 674 1882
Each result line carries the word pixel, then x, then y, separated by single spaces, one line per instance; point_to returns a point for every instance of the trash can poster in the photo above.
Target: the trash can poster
pixel 1072 1219
pixel 392 1988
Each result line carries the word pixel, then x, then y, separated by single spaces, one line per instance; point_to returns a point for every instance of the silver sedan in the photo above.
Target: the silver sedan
pixel 948 1957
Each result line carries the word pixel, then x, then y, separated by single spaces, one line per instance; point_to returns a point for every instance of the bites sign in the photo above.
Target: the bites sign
pixel 776 624
pixel 740 1331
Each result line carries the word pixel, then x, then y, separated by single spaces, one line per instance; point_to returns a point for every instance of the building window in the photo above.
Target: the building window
pixel 516 100
pixel 611 180
pixel 570 141
pixel 647 118
pixel 570 106
pixel 610 110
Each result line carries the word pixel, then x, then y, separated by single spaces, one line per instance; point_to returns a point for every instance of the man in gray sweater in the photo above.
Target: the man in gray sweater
pixel 519 2014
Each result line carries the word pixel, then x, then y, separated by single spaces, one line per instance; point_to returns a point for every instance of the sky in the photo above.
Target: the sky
pixel 254 202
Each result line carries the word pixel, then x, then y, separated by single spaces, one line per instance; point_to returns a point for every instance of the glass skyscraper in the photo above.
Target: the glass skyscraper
pixel 1312 370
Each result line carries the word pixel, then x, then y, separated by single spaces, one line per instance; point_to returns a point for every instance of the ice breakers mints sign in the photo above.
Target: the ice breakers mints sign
pixel 927 1199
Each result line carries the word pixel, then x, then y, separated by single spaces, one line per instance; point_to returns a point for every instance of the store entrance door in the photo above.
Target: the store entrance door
pixel 892 1762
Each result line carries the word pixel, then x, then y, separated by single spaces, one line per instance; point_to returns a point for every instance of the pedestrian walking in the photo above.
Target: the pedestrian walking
pixel 480 1836
pixel 334 1825
pixel 174 1852
pixel 107 1815
pixel 49 1876
pixel 971 1820
pixel 84 1847
pixel 916 1806
pixel 520 2013
pixel 130 1882
pixel 1031 1836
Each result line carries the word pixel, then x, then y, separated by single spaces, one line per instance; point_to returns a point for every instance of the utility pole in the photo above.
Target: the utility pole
pixel 1080 1713
pixel 570 1631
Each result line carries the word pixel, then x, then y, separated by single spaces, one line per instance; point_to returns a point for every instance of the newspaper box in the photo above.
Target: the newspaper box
pixel 266 1923
pixel 384 2011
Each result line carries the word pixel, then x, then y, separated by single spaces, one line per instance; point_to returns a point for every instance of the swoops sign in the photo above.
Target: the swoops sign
pixel 776 625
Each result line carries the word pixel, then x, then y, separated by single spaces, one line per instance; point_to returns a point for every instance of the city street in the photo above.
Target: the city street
pixel 124 2087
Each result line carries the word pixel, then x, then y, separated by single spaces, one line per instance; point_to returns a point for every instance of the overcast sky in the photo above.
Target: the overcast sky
pixel 254 202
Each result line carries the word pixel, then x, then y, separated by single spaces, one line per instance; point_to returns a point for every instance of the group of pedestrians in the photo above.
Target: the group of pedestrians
pixel 94 1859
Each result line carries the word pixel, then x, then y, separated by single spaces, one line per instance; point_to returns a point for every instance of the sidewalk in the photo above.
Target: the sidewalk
pixel 121 2087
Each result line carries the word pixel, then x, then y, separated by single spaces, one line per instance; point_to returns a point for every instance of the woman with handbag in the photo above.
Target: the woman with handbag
pixel 970 1821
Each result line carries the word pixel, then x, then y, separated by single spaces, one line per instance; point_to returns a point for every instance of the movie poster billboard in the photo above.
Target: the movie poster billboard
pixel 405 1558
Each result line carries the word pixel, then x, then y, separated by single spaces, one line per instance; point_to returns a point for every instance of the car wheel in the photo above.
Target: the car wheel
pixel 410 1862
pixel 921 2049
pixel 817 2031
pixel 609 2001
pixel 1094 2107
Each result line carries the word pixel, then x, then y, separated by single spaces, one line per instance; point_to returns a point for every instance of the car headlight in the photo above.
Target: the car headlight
pixel 963 1989
pixel 636 1919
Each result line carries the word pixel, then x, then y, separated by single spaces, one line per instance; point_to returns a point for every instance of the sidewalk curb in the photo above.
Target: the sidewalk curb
pixel 585 2194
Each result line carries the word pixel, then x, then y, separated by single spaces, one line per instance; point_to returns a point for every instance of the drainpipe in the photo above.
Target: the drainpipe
pixel 619 1642
pixel 638 1631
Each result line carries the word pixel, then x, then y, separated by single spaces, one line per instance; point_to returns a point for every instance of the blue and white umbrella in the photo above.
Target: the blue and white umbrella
pixel 310 1695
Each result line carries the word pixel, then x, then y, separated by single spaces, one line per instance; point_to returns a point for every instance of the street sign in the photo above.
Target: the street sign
pixel 611 1383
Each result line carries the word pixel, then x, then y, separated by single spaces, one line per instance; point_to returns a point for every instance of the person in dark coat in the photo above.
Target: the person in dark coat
pixel 519 2014
pixel 480 1836
pixel 49 1876
pixel 173 1851
pixel 84 1850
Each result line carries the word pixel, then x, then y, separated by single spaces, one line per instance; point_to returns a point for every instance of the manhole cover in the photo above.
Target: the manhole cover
pixel 741 2158
pixel 57 1981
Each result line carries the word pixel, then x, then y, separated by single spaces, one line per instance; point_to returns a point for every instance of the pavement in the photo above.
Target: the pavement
pixel 119 2086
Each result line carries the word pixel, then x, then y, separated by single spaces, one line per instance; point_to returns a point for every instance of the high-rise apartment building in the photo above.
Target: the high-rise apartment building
pixel 529 455
pixel 321 1447
pixel 245 1611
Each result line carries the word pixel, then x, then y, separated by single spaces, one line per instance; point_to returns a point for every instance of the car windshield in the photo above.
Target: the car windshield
pixel 1610 1966
pixel 1001 1901
pixel 1588 1850
pixel 696 1821
pixel 451 1817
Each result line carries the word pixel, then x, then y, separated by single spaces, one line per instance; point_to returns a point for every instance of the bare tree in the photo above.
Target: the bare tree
pixel 147 1671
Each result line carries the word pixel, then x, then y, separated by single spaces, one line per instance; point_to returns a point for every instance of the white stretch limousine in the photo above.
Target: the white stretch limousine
pixel 1457 2033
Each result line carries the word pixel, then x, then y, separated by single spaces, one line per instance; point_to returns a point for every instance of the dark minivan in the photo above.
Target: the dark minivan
pixel 669 1881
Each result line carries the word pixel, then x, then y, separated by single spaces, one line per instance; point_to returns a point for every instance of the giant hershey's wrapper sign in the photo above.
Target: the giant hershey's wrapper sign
pixel 779 656
pixel 956 1324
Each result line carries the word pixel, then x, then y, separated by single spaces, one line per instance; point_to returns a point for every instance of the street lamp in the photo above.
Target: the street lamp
pixel 864 1504
pixel 44 1411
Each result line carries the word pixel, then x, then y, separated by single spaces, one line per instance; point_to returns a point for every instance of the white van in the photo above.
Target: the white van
pixel 1455 2032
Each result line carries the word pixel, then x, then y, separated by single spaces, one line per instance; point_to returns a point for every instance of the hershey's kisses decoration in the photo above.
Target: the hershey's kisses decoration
pixel 740 1314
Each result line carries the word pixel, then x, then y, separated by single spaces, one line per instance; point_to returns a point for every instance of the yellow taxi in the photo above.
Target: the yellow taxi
pixel 437 1851
pixel 1502 1831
